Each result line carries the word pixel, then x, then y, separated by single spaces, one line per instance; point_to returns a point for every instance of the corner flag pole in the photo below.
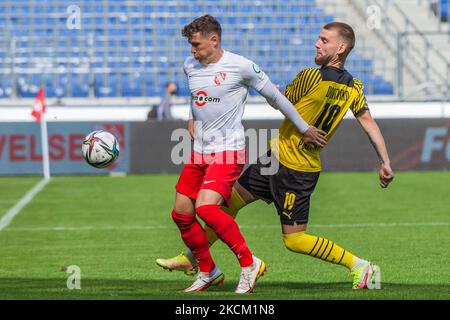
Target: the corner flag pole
pixel 39 114
pixel 44 141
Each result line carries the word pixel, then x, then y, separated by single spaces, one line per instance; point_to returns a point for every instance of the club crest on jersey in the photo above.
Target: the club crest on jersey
pixel 201 98
pixel 219 78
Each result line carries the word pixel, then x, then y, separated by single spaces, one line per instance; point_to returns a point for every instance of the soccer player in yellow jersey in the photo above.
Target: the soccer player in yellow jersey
pixel 322 97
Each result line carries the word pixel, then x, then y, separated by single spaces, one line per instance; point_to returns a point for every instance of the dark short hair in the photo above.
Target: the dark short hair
pixel 345 31
pixel 206 25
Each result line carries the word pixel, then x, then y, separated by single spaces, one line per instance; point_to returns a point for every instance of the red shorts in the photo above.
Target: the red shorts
pixel 217 171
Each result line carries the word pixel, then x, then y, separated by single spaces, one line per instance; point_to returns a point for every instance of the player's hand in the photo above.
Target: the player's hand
pixel 315 137
pixel 386 175
pixel 191 128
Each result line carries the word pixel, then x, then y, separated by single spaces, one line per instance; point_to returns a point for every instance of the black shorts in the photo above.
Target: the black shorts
pixel 290 190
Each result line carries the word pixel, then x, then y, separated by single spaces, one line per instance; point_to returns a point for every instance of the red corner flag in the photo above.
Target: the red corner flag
pixel 39 105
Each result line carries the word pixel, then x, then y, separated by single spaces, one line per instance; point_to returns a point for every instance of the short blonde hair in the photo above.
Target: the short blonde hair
pixel 345 31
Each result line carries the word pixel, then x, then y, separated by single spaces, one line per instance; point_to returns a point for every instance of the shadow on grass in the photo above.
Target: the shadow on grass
pixel 53 288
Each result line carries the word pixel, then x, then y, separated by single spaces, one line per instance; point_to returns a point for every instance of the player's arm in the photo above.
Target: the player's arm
pixel 254 77
pixel 191 125
pixel 311 135
pixel 372 130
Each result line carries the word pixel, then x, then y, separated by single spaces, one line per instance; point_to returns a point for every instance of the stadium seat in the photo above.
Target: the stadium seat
pixel 143 38
pixel 444 9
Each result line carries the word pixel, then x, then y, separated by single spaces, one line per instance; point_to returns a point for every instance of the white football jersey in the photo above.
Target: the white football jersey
pixel 218 95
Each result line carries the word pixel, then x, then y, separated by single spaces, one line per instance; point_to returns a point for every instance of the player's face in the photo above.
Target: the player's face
pixel 328 45
pixel 203 47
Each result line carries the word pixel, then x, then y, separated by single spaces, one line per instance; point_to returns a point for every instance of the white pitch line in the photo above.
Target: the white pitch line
pixel 7 218
pixel 357 225
pixel 382 225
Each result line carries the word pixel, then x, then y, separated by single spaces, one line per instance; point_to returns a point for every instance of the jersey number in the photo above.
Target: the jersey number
pixel 329 113
pixel 289 201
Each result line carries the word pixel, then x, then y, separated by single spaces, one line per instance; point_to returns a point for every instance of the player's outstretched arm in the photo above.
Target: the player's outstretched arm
pixel 376 138
pixel 191 128
pixel 191 125
pixel 276 99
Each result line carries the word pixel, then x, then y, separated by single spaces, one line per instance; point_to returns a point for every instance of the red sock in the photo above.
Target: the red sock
pixel 195 239
pixel 227 230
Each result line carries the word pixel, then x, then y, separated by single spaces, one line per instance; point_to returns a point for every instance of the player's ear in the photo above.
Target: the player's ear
pixel 342 48
pixel 214 38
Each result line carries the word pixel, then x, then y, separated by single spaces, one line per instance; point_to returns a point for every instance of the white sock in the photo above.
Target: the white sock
pixel 360 263
pixel 191 256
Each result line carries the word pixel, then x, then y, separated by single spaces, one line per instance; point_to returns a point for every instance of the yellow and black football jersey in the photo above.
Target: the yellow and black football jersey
pixel 322 97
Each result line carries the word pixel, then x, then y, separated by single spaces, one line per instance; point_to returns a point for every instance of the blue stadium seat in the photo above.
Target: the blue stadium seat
pixel 444 6
pixel 80 85
pixel 380 86
pixel 132 88
pixel 141 42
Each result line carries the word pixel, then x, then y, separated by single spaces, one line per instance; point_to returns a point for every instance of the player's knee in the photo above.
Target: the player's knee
pixel 288 243
pixel 183 204
pixel 183 220
pixel 293 241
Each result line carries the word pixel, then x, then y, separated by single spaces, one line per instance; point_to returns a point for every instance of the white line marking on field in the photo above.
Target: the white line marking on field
pixel 7 218
pixel 357 225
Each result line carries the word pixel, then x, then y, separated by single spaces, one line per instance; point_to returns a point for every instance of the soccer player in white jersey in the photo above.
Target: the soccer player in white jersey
pixel 218 82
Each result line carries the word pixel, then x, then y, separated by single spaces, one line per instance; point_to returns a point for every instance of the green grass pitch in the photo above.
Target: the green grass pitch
pixel 114 228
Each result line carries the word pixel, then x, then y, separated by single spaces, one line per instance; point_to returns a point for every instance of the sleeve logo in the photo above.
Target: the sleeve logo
pixel 256 68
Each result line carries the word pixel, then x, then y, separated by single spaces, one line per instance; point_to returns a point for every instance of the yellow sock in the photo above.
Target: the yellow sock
pixel 234 205
pixel 319 247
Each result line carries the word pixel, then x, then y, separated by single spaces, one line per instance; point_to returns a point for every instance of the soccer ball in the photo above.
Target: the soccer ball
pixel 100 148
